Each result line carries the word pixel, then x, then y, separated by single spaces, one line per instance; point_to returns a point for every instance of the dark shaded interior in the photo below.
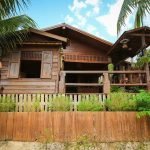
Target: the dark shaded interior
pixel 30 69
pixel 83 78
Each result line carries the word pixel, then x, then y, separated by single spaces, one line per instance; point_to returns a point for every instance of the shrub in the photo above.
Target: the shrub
pixel 143 101
pixel 90 103
pixel 7 104
pixel 36 105
pixel 60 103
pixel 120 102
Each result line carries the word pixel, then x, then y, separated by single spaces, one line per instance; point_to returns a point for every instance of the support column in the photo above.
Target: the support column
pixel 146 65
pixel 62 87
pixel 147 76
pixel 106 83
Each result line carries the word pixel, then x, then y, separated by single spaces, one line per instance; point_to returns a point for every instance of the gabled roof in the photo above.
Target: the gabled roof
pixel 46 34
pixel 77 30
pixel 134 37
pixel 72 32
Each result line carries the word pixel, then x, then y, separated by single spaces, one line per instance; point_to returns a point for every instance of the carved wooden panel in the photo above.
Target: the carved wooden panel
pixel 31 55
pixel 85 58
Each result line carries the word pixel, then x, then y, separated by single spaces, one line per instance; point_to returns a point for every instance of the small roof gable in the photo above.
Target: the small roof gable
pixel 50 35
pixel 133 41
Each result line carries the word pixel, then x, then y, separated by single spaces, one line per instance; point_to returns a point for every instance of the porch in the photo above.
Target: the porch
pixel 101 80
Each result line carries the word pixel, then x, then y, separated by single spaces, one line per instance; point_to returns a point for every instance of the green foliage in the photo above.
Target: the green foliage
pixel 36 105
pixel 7 104
pixel 143 101
pixel 11 23
pixel 121 102
pixel 115 88
pixel 142 114
pixel 90 103
pixel 9 7
pixel 141 8
pixel 110 67
pixel 142 60
pixel 60 103
pixel 143 104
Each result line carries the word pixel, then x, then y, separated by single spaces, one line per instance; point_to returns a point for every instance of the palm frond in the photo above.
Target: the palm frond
pixel 11 34
pixel 126 9
pixel 142 6
pixel 10 7
pixel 138 22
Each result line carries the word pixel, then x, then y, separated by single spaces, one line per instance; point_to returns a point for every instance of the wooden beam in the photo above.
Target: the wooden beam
pixel 139 34
pixel 48 35
pixel 103 71
pixel 42 43
pixel 83 84
pixel 134 84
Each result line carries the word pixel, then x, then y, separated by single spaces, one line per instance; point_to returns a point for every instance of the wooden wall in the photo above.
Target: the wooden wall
pixel 27 85
pixel 81 47
pixel 69 126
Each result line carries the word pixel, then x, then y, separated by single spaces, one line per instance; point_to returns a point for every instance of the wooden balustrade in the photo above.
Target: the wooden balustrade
pixel 85 58
pixel 118 78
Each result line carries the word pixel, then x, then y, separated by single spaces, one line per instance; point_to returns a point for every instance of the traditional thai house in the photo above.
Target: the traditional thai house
pixel 64 59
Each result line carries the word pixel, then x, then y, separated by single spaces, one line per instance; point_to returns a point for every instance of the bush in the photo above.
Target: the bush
pixel 7 104
pixel 90 103
pixel 143 101
pixel 36 105
pixel 60 103
pixel 120 102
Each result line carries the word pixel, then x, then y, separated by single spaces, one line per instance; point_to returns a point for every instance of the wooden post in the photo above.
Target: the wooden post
pixel 106 85
pixel 62 87
pixel 147 76
pixel 146 65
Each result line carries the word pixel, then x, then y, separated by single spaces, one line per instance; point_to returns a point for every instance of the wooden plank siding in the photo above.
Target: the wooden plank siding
pixel 31 85
pixel 70 126
pixel 79 51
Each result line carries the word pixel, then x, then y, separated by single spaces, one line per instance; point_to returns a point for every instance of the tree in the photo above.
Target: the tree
pixel 141 7
pixel 13 26
pixel 142 60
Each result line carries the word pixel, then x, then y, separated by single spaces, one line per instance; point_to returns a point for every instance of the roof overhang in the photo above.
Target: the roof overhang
pixel 134 44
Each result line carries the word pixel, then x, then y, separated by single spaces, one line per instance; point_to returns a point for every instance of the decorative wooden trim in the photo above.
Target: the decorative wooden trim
pixel 31 55
pixel 85 58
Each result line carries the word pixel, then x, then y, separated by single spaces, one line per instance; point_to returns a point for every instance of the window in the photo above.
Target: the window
pixel 30 69
pixel 30 64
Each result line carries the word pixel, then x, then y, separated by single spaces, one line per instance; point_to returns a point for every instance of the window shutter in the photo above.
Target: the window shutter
pixel 46 68
pixel 14 64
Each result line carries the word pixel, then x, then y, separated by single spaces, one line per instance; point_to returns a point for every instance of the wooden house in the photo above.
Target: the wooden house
pixel 64 59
